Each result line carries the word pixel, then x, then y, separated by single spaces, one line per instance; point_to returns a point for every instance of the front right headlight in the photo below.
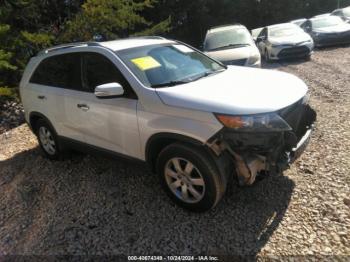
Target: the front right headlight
pixel 254 123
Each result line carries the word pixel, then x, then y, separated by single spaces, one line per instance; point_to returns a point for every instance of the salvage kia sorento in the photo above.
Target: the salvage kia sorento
pixel 195 121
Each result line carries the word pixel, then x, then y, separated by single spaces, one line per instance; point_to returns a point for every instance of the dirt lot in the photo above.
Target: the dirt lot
pixel 92 206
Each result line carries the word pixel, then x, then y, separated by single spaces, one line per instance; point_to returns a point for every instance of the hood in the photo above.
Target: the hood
pixel 290 40
pixel 231 54
pixel 237 91
pixel 334 29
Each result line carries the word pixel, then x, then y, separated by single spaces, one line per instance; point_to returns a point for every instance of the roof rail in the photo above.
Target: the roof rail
pixel 65 46
pixel 77 44
pixel 219 26
pixel 146 37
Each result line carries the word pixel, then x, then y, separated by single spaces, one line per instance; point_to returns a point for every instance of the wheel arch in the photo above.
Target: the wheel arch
pixel 34 117
pixel 157 142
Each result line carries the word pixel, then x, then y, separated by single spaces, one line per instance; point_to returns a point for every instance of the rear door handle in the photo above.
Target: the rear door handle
pixel 41 97
pixel 83 107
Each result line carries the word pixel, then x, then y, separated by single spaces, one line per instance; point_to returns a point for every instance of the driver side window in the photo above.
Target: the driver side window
pixel 99 70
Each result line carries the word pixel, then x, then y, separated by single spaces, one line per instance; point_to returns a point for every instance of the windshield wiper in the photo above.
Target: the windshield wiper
pixel 205 74
pixel 192 79
pixel 228 46
pixel 171 83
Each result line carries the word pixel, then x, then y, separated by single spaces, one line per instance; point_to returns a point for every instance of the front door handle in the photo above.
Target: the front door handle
pixel 83 107
pixel 41 97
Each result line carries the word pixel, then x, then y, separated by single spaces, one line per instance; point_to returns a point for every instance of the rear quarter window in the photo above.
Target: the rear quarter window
pixel 62 71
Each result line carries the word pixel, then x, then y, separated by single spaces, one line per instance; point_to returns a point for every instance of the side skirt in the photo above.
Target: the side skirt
pixel 69 143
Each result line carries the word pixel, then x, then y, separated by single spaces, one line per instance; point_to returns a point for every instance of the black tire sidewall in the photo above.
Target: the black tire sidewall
pixel 206 167
pixel 43 123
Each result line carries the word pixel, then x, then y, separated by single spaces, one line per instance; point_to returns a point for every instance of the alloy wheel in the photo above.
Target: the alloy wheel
pixel 184 180
pixel 47 141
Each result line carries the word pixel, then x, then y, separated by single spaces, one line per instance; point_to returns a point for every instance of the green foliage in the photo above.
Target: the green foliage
pixel 5 63
pixel 158 29
pixel 111 19
pixel 6 92
pixel 6 56
pixel 27 26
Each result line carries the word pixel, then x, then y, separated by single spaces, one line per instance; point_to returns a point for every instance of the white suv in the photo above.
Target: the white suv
pixel 195 121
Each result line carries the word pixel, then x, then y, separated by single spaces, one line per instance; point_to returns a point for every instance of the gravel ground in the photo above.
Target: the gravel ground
pixel 11 114
pixel 94 206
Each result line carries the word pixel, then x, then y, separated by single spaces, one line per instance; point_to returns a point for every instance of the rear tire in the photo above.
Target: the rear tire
pixel 190 177
pixel 48 140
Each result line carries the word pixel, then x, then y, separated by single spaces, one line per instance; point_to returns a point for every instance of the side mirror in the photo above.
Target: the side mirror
pixel 110 90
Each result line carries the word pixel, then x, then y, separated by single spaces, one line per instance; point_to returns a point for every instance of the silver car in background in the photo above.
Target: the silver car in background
pixel 343 13
pixel 327 31
pixel 232 45
pixel 284 41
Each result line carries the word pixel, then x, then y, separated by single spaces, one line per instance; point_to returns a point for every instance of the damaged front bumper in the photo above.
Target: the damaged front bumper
pixel 270 152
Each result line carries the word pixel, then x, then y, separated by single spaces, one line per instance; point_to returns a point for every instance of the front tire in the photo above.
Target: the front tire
pixel 48 140
pixel 190 177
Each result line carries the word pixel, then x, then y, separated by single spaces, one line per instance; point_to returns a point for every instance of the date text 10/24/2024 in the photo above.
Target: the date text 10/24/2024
pixel 173 258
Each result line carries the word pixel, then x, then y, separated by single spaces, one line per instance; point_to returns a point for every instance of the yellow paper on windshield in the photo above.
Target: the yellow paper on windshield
pixel 146 63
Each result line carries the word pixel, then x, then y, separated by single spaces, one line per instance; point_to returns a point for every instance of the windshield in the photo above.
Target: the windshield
pixel 283 31
pixel 326 22
pixel 167 65
pixel 346 12
pixel 227 38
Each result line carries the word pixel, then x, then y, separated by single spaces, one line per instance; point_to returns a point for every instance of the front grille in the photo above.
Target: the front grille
pixel 299 116
pixel 293 114
pixel 294 51
pixel 238 62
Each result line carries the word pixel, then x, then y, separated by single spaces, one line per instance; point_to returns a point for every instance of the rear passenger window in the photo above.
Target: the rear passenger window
pixel 99 70
pixel 59 71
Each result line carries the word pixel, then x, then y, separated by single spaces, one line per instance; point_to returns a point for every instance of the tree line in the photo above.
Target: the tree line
pixel 27 26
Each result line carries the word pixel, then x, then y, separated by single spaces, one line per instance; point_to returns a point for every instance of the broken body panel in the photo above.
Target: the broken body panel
pixel 257 153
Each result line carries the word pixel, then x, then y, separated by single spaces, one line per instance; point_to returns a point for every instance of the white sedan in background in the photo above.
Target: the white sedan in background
pixel 343 13
pixel 284 41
